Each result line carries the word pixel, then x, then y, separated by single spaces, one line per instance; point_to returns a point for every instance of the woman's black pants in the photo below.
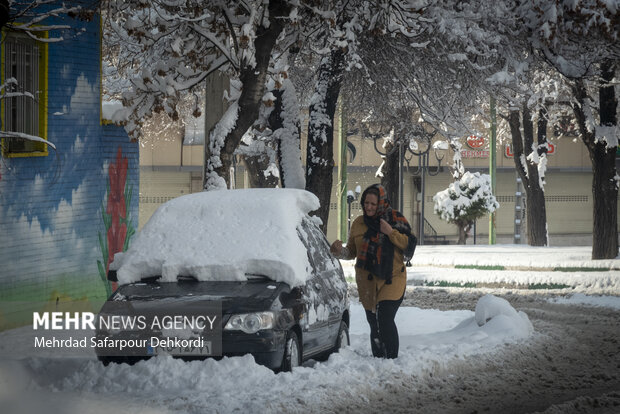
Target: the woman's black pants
pixel 383 331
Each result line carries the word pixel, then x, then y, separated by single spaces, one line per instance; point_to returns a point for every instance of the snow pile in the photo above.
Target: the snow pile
pixel 497 312
pixel 501 324
pixel 222 235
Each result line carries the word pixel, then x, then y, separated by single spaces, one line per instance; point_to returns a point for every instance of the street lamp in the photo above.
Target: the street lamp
pixel 400 147
pixel 420 145
pixel 351 197
pixel 418 142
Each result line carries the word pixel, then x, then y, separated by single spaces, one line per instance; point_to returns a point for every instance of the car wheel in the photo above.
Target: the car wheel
pixel 292 353
pixel 343 336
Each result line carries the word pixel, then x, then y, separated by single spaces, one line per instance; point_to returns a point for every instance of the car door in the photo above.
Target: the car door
pixel 330 283
pixel 332 278
pixel 314 323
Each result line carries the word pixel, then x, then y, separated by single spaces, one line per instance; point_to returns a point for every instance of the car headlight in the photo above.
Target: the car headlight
pixel 250 322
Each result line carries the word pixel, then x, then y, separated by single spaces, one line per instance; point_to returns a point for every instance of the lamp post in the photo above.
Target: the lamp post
pixel 351 197
pixel 419 143
pixel 439 151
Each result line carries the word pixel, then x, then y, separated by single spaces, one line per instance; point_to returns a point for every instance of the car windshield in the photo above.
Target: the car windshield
pixel 190 278
pixel 151 289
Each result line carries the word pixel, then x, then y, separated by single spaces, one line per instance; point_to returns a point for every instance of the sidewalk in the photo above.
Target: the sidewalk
pixel 512 257
pixel 562 269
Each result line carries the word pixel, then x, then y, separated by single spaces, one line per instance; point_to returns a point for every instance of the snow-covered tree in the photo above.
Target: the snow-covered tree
pixel 580 41
pixel 600 136
pixel 272 149
pixel 168 49
pixel 412 57
pixel 465 201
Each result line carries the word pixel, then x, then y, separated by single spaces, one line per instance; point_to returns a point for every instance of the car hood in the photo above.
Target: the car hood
pixel 235 297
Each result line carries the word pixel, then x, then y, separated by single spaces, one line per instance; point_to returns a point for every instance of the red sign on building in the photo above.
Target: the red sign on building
pixel 475 154
pixel 510 154
pixel 475 142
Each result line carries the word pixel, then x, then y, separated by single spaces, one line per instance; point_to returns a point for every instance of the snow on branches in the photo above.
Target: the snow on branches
pixel 33 18
pixel 466 200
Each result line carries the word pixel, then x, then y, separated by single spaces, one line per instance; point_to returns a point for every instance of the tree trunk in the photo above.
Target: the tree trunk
pixel 543 120
pixel 253 79
pixel 604 190
pixel 320 154
pixel 288 144
pixel 462 233
pixel 257 165
pixel 535 207
pixel 390 174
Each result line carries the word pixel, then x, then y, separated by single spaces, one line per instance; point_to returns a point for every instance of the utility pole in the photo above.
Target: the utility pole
pixel 492 166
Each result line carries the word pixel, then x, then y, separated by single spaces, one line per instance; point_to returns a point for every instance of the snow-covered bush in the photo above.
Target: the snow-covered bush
pixel 466 200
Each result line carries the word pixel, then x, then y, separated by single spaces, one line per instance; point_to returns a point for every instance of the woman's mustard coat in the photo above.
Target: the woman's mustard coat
pixel 375 290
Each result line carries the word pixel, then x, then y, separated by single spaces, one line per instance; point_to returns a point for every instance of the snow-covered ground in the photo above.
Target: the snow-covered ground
pixel 432 341
pixel 565 269
pixel 511 256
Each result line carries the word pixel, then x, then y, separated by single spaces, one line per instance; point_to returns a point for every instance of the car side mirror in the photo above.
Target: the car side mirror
pixel 112 276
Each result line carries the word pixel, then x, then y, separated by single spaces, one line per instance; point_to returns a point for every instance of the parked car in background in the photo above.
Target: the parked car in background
pixel 253 257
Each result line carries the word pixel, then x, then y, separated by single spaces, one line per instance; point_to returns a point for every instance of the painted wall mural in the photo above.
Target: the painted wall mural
pixel 119 228
pixel 51 208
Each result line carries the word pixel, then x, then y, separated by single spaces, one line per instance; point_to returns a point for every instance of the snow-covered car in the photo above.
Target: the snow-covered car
pixel 254 258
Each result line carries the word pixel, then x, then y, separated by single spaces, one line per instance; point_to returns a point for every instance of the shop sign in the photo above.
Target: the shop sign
pixel 475 154
pixel 475 142
pixel 510 154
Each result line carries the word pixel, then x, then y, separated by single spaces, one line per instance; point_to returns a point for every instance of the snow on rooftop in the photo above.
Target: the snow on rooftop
pixel 222 235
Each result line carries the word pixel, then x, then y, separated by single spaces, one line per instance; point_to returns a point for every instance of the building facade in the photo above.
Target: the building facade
pixel 169 169
pixel 64 211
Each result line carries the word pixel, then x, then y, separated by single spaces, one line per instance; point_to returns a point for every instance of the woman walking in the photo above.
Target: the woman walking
pixel 381 240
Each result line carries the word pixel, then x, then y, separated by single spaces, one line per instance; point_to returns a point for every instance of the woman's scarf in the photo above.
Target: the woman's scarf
pixel 377 251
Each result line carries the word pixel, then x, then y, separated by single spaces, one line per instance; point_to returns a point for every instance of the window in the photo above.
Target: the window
pixel 318 247
pixel 25 60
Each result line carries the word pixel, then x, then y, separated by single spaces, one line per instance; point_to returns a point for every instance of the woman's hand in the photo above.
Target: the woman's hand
pixel 336 248
pixel 385 227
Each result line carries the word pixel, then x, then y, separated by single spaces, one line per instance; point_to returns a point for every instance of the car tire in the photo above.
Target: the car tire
pixel 292 353
pixel 343 340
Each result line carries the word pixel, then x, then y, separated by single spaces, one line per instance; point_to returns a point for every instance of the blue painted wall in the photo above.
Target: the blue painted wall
pixel 52 225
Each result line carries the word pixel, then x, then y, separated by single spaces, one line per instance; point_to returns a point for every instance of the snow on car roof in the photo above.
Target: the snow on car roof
pixel 222 235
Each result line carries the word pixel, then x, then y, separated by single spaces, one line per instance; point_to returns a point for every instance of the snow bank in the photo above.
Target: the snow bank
pixel 498 314
pixel 222 235
pixel 514 256
pixel 612 302
pixel 525 266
